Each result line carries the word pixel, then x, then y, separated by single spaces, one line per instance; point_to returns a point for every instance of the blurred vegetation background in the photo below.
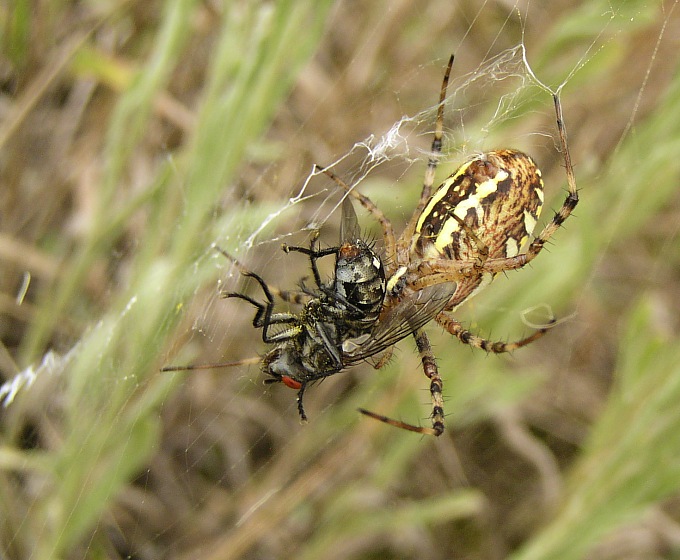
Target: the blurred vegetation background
pixel 134 135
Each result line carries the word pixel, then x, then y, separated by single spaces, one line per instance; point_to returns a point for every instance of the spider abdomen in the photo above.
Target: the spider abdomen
pixel 497 196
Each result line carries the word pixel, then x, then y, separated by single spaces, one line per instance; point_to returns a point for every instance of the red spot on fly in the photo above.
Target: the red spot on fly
pixel 290 382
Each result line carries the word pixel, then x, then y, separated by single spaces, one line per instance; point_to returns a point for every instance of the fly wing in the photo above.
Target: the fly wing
pixel 401 321
pixel 349 226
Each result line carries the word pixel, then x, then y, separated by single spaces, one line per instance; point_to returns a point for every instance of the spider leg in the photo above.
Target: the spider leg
pixel 216 365
pixel 398 423
pixel 436 384
pixel 436 271
pixel 467 337
pixel 432 162
pixel 430 368
pixel 571 199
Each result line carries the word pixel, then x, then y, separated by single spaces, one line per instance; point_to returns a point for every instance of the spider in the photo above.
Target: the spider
pixel 471 228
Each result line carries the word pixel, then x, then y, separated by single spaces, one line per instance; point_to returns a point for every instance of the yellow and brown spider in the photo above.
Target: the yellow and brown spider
pixel 469 230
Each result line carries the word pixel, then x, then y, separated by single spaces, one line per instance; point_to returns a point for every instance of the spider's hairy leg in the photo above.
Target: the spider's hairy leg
pixel 242 269
pixel 436 271
pixel 432 373
pixel 433 161
pixel 571 199
pixel 398 423
pixel 482 249
pixel 369 205
pixel 436 384
pixel 216 365
pixel 467 337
